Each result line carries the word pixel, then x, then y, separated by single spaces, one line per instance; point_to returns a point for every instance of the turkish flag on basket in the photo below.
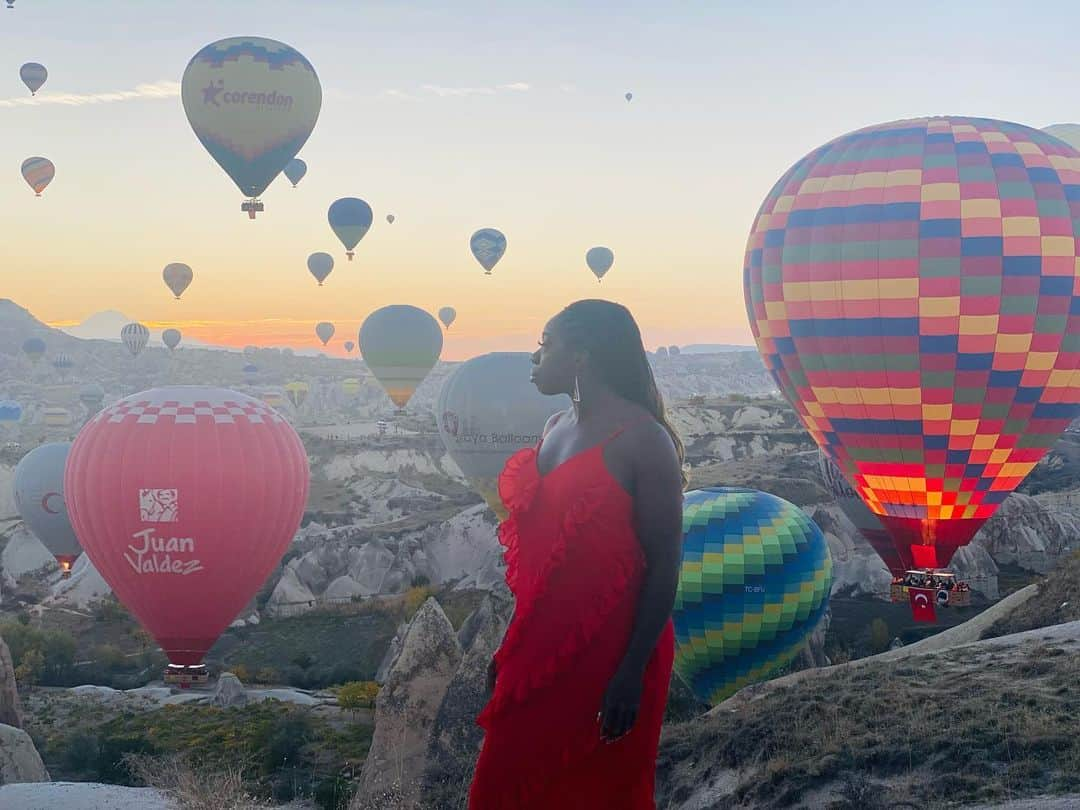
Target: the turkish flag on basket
pixel 922 604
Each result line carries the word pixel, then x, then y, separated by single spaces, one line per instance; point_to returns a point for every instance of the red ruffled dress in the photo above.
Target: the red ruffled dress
pixel 575 566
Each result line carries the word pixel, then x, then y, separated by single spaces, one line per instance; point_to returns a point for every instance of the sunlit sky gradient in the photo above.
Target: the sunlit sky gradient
pixel 455 116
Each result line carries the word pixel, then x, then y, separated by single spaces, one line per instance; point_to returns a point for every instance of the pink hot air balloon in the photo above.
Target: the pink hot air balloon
pixel 185 498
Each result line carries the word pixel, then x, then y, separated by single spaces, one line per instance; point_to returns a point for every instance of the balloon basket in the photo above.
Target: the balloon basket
pixel 252 207
pixel 185 676
pixel 948 591
pixel 350 254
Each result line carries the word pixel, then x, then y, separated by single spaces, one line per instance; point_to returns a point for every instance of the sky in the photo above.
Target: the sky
pixel 457 116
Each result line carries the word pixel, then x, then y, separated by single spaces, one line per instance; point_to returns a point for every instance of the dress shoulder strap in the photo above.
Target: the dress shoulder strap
pixel 622 429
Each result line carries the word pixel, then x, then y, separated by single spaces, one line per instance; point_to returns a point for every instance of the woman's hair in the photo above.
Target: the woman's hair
pixel 608 332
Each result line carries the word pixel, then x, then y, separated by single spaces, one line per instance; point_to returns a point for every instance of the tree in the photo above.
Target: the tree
pixel 357 695
pixel 28 672
pixel 879 635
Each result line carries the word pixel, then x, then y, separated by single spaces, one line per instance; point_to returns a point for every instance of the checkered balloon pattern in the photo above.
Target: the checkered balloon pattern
pixel 755 579
pixel 914 291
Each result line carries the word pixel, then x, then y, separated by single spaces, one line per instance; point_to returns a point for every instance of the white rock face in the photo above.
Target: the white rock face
pixel 229 692
pixel 1029 533
pixel 24 554
pixel 19 760
pixel 7 492
pixel 82 796
pixel 466 548
pixel 342 588
pixel 369 566
pixel 289 595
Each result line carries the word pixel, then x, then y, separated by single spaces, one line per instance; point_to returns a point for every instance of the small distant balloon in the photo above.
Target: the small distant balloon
pixel 10 410
pixel 38 172
pixel 295 170
pixel 447 315
pixel 629 96
pixel 252 102
pixel 251 368
pixel 400 345
pixel 33 76
pixel 320 265
pixel 34 349
pixel 62 362
pixel 177 278
pixel 349 346
pixel 324 330
pixel 297 392
pixel 390 218
pixel 92 395
pixel 171 338
pixel 135 336
pixel 350 218
pixel 351 386
pixel 488 246
pixel 599 260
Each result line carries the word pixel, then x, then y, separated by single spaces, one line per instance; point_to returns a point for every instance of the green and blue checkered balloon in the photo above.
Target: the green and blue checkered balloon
pixel 755 580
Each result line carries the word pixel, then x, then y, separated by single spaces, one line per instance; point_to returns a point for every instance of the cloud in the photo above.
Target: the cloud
pixel 155 90
pixel 459 92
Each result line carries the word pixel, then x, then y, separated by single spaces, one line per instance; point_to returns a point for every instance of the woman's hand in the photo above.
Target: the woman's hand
pixel 621 703
pixel 491 676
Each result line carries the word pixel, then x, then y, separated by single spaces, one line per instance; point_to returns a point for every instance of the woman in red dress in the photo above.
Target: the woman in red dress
pixel 593 546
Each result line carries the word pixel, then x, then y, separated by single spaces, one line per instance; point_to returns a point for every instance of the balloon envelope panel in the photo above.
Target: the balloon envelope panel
pixel 755 580
pixel 912 288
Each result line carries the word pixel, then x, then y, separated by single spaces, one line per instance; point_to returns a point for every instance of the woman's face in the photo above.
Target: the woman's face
pixel 554 363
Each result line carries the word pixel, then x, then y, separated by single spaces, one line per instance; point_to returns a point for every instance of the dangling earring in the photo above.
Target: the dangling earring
pixel 577 391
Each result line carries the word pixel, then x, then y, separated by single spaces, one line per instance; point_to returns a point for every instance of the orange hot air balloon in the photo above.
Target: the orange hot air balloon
pixel 912 288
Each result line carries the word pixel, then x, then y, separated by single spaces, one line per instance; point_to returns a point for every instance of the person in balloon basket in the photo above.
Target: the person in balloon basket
pixel 592 548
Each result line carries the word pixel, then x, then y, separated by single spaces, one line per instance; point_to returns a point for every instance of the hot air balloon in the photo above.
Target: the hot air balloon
pixel 599 260
pixel 62 362
pixel 295 170
pixel 674 351
pixel 488 246
pixel 135 336
pixel 34 349
pixel 39 497
pixel 447 315
pixel 390 218
pixel 324 330
pixel 177 277
pixel 629 96
pixel 297 392
pixel 272 398
pixel 754 582
pixel 56 417
pixel 662 352
pixel 487 411
pixel 1070 133
pixel 350 220
pixel 91 396
pixel 349 346
pixel 400 344
pixel 171 338
pixel 250 368
pixel 10 4
pixel 38 172
pixel 351 386
pixel 320 265
pixel 911 287
pixel 33 76
pixel 252 102
pixel 184 499
pixel 10 411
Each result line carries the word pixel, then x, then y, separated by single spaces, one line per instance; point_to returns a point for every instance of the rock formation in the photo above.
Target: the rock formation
pixel 10 706
pixel 1025 532
pixel 229 692
pixel 19 760
pixel 407 706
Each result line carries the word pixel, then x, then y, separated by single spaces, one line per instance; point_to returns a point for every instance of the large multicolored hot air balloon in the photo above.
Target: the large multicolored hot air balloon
pixel 599 260
pixel 295 170
pixel 177 277
pixel 185 499
pixel 171 338
pixel 488 246
pixel 252 102
pixel 33 76
pixel 135 336
pixel 912 288
pixel 487 411
pixel 297 392
pixel 754 582
pixel 38 172
pixel 91 396
pixel 400 344
pixel 34 349
pixel 39 497
pixel 447 315
pixel 350 219
pixel 320 265
pixel 324 330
